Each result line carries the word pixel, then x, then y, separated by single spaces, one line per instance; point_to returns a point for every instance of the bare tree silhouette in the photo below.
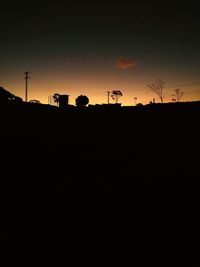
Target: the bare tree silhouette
pixel 178 93
pixel 158 87
pixel 82 101
pixel 116 94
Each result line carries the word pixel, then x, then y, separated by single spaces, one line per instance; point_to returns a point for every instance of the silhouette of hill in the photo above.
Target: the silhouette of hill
pixel 63 165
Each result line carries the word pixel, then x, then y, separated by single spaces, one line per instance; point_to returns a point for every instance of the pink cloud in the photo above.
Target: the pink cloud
pixel 126 63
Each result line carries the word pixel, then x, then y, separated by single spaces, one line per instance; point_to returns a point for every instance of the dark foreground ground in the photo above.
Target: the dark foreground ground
pixel 80 175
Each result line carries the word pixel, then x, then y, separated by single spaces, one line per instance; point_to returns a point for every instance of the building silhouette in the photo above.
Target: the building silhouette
pixel 64 101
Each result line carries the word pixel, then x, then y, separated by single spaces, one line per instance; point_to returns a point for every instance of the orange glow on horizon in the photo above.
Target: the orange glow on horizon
pixel 95 87
pixel 99 95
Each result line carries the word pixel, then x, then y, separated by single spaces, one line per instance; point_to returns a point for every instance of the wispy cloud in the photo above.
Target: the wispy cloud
pixel 125 63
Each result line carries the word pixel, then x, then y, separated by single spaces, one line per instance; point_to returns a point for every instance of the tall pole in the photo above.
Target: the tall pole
pixel 26 84
pixel 108 97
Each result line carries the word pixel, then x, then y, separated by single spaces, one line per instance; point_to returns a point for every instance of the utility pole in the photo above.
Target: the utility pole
pixel 26 84
pixel 108 93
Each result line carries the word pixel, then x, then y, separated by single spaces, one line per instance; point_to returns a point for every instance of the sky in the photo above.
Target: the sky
pixel 94 46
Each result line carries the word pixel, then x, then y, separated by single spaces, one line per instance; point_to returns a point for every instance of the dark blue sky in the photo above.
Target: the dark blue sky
pixel 78 44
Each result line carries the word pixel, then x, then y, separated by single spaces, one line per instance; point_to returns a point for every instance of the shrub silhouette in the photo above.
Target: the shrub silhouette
pixel 34 101
pixel 82 101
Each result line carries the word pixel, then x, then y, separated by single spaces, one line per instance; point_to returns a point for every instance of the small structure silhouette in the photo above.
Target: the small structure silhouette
pixel 63 101
pixel 152 102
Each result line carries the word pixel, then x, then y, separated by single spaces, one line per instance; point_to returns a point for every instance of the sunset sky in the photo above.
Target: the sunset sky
pixel 93 47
